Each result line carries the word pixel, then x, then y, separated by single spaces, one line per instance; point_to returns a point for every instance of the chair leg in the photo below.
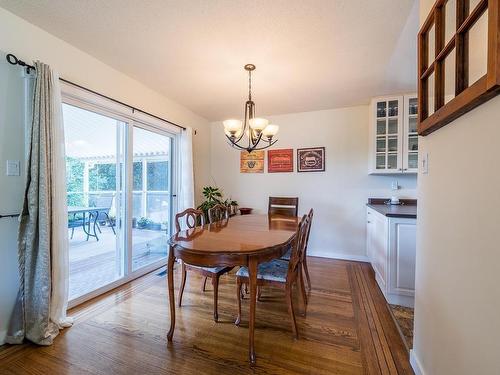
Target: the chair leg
pixel 109 222
pixel 183 283
pixel 303 290
pixel 215 283
pixel 289 301
pixel 72 232
pixel 98 227
pixel 239 296
pixel 306 270
pixel 204 284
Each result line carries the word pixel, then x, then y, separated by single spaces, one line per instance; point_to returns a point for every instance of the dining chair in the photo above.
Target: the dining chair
pixel 281 273
pixel 283 206
pixel 193 218
pixel 304 260
pixel 217 213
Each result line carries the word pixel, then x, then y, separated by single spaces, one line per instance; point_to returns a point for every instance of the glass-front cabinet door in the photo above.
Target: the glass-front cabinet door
pixel 410 156
pixel 388 135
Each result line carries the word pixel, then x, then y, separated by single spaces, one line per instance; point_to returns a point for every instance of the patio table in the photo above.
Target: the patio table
pixel 89 227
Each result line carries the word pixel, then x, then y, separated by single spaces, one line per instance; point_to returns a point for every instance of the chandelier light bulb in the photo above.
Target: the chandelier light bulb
pixel 233 126
pixel 258 124
pixel 236 134
pixel 270 131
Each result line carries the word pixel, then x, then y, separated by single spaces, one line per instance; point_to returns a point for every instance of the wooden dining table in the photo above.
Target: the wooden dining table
pixel 245 240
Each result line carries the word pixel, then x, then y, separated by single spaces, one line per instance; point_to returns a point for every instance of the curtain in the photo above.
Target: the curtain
pixel 43 235
pixel 186 192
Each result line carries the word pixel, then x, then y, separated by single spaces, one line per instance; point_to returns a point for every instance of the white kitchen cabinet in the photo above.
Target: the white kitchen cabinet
pixel 393 135
pixel 391 249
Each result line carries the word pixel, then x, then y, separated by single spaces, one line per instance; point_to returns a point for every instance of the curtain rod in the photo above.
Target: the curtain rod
pixel 9 215
pixel 13 60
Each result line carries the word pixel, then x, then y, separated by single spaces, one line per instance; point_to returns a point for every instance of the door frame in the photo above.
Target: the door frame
pixel 88 101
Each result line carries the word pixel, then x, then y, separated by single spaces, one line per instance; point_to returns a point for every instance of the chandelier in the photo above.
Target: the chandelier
pixel 254 129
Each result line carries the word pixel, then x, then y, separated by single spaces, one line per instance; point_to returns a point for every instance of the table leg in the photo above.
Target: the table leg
pixel 95 222
pixel 252 279
pixel 170 278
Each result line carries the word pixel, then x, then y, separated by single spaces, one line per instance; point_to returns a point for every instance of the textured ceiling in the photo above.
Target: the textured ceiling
pixel 310 54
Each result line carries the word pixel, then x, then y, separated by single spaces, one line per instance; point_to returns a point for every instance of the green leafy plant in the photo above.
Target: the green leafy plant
pixel 143 222
pixel 213 196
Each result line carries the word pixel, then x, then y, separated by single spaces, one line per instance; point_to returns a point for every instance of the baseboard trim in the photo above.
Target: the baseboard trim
pixel 330 255
pixel 415 363
pixel 3 334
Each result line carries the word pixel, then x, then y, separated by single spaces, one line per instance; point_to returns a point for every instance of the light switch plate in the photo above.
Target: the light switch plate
pixel 424 164
pixel 13 168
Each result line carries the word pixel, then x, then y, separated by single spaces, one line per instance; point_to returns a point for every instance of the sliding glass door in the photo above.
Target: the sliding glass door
pixel 94 175
pixel 119 189
pixel 151 196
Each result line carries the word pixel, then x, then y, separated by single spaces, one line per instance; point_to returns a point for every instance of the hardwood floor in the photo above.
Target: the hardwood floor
pixel 347 330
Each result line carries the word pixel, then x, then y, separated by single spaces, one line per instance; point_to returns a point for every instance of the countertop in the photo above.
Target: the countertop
pixel 407 210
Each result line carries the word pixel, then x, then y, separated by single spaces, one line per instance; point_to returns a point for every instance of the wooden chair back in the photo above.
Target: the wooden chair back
pixel 217 213
pixel 309 223
pixel 298 246
pixel 192 218
pixel 283 206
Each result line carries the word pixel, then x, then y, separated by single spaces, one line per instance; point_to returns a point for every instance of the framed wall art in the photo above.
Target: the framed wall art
pixel 252 162
pixel 280 160
pixel 311 159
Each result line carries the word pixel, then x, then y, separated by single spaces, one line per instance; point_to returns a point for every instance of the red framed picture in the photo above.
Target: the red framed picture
pixel 311 159
pixel 280 160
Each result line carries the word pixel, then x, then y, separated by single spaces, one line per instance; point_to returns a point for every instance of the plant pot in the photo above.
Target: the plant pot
pixel 154 226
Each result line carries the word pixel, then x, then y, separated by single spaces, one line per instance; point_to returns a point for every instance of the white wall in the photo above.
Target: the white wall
pixel 338 195
pixel 12 111
pixel 457 302
pixel 29 42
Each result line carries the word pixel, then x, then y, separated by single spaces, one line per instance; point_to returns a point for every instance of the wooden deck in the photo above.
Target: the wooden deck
pixel 94 264
pixel 347 330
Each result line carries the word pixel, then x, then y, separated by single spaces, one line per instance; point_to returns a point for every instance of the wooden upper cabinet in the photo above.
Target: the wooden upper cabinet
pixel 458 60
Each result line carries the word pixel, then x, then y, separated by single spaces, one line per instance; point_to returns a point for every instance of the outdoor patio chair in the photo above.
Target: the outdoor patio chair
pixel 104 201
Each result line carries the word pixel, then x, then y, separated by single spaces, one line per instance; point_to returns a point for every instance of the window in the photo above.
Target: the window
pixel 459 60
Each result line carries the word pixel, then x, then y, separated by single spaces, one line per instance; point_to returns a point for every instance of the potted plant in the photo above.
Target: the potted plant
pixel 153 226
pixel 212 196
pixel 143 222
